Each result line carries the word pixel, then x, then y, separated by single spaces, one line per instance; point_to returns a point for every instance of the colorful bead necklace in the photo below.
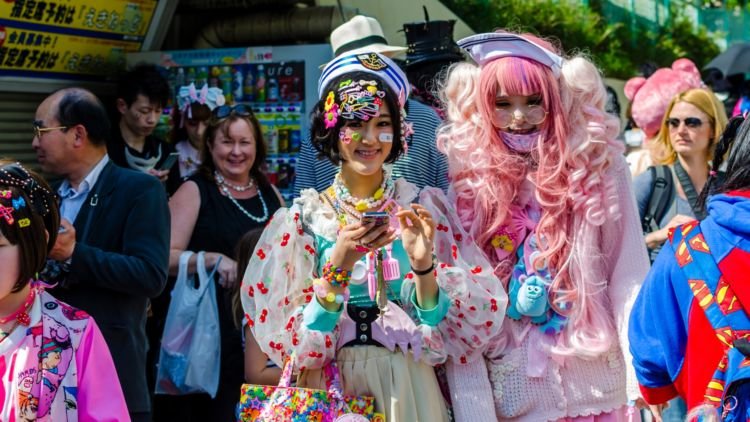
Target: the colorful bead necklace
pixel 382 194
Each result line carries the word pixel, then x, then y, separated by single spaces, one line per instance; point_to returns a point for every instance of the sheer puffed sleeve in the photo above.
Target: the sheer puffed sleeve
pixel 477 299
pixel 277 286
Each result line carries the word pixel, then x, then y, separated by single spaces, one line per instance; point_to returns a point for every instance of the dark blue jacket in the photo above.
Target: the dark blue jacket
pixel 121 260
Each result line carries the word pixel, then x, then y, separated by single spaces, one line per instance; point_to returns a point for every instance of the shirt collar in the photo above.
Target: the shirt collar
pixel 66 190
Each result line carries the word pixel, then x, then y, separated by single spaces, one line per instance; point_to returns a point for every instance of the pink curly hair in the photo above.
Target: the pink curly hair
pixel 568 169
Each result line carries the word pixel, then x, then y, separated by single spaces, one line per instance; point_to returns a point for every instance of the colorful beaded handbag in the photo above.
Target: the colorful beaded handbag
pixel 285 403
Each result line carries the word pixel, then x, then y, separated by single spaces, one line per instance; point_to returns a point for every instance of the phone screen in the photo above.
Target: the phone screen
pixel 379 217
pixel 170 161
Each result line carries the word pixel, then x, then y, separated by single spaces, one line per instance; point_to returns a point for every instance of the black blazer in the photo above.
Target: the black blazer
pixel 121 260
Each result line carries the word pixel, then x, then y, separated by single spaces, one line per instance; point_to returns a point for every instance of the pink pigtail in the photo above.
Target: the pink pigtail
pixel 592 151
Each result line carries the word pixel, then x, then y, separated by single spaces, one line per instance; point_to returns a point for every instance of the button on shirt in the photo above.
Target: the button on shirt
pixel 72 199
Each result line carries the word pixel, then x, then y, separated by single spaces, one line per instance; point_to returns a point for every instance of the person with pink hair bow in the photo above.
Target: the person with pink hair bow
pixel 541 186
pixel 194 107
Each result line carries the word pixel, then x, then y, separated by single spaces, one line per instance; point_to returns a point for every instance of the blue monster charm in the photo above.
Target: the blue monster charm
pixel 532 299
pixel 528 287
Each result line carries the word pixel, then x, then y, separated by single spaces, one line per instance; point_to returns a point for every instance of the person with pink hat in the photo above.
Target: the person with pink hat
pixel 649 97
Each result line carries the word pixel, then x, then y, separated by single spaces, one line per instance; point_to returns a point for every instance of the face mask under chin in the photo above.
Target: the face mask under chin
pixel 519 142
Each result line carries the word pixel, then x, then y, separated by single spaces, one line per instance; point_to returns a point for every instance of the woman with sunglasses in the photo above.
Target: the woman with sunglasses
pixel 54 363
pixel 228 196
pixel 692 123
pixel 386 295
pixel 543 189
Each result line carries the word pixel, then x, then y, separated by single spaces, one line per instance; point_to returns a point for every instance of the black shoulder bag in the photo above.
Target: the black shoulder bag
pixel 658 202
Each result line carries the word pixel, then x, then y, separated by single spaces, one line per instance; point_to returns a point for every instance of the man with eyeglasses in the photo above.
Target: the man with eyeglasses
pixel 112 253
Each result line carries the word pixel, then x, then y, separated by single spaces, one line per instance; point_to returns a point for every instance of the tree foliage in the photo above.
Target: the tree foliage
pixel 616 47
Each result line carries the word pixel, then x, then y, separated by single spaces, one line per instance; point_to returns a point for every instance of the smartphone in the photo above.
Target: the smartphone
pixel 378 217
pixel 170 161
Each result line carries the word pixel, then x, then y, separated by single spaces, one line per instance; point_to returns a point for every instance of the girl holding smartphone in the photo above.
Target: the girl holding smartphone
pixel 385 301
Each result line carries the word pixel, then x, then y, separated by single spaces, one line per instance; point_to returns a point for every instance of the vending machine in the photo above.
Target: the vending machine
pixel 278 82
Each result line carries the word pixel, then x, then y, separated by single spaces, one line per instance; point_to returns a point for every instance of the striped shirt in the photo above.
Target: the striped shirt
pixel 423 165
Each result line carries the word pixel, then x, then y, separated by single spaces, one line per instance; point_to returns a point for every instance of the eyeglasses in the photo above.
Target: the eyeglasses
pixel 532 114
pixel 690 122
pixel 222 112
pixel 39 129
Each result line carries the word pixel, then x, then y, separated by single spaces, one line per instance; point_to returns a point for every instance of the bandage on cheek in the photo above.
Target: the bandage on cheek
pixel 385 137
pixel 347 136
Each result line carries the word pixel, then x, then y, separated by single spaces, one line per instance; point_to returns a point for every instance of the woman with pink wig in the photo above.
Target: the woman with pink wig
pixel 541 186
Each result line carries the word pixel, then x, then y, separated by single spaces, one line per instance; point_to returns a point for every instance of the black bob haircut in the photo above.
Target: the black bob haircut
pixel 326 141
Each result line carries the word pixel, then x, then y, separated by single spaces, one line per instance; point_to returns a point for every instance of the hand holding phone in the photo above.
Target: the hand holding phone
pixel 170 161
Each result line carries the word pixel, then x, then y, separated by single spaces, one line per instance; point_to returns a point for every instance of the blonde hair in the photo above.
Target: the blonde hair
pixel 703 98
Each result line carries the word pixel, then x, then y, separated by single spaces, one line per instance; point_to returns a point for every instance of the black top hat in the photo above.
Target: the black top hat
pixel 431 41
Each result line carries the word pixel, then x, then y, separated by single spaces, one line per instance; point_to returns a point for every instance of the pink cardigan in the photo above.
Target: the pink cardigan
pixel 626 266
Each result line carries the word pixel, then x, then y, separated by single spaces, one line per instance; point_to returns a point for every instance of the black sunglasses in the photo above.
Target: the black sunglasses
pixel 691 122
pixel 222 112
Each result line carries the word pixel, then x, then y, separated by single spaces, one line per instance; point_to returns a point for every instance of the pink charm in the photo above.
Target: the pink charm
pixel 6 213
pixel 391 270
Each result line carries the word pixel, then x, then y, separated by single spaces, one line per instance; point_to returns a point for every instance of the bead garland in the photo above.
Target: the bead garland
pixel 222 181
pixel 225 191
pixel 384 192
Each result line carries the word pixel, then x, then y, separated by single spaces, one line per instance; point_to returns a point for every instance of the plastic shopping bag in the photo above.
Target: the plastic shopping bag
pixel 190 352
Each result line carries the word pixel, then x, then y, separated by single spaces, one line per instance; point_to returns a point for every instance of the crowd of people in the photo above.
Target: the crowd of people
pixel 466 243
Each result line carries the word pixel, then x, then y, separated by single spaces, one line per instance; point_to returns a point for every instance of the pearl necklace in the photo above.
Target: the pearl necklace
pixel 221 181
pixel 383 193
pixel 225 191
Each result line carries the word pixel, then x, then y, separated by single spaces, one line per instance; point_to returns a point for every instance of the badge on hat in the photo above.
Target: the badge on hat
pixel 372 62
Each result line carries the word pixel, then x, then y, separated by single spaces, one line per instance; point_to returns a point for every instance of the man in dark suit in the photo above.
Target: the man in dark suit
pixel 114 256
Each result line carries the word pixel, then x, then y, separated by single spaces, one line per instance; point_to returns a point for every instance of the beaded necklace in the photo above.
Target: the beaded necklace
pixel 223 187
pixel 382 194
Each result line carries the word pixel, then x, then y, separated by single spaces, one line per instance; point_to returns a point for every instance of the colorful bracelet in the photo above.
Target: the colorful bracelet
pixel 319 286
pixel 337 276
